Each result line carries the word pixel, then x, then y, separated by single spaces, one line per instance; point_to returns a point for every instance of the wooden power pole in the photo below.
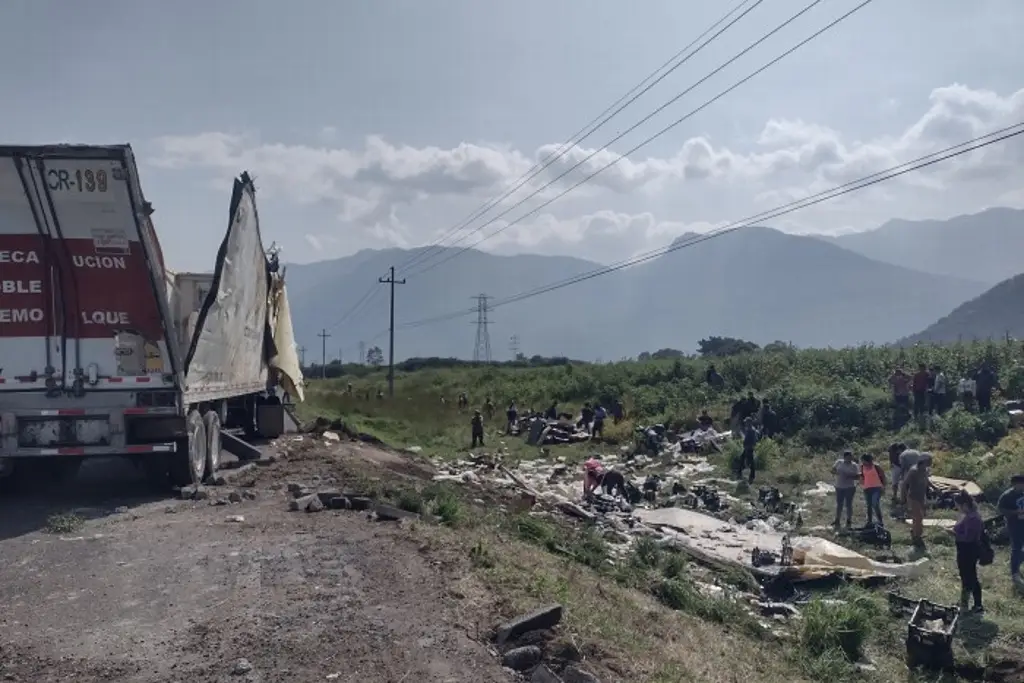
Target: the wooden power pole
pixel 390 280
pixel 323 354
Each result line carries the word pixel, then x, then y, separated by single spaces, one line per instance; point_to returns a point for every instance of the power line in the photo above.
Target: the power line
pixel 364 300
pixel 599 121
pixel 657 135
pixel 790 207
pixel 924 161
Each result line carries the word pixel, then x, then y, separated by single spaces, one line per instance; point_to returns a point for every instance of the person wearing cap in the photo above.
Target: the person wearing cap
pixel 914 490
pixel 847 473
pixel 1011 506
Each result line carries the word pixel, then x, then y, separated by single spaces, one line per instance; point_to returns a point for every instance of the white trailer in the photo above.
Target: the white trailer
pixel 103 350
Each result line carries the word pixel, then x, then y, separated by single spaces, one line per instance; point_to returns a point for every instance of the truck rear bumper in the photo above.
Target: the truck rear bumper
pixel 86 451
pixel 89 432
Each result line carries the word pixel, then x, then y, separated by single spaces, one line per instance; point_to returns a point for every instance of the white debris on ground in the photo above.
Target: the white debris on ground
pixel 821 489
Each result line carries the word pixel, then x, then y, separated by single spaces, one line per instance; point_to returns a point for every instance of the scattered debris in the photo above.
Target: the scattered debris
pixel 227 476
pixel 307 503
pixel 930 636
pixel 237 519
pixel 544 618
pixel 522 658
pixel 241 667
pixel 574 674
pixel 390 513
pixel 193 493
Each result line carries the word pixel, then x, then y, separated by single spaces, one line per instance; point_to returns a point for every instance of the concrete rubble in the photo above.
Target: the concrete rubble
pixel 526 646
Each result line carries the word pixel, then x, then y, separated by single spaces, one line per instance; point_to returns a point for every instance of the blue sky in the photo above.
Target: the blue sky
pixel 373 124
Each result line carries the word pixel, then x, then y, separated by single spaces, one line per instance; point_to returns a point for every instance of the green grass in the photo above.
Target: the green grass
pixel 826 400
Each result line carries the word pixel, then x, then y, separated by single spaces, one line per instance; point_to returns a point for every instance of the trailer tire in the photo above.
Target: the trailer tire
pixel 189 463
pixel 211 421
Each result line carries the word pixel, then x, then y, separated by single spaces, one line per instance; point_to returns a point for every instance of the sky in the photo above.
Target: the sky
pixel 389 123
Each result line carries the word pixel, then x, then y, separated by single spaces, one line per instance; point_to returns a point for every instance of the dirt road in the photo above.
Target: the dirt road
pixel 154 590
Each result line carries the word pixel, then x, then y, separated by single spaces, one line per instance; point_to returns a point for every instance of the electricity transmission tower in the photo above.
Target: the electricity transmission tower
pixel 302 356
pixel 362 353
pixel 482 351
pixel 513 346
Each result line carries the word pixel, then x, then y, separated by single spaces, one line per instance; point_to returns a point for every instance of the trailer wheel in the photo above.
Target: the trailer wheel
pixel 189 463
pixel 211 421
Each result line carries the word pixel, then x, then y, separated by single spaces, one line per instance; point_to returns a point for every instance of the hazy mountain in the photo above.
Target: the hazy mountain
pixel 984 246
pixel 756 283
pixel 992 315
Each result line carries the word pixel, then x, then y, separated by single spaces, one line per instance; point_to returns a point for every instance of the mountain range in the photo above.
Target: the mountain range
pixel 756 283
pixel 993 315
pixel 984 246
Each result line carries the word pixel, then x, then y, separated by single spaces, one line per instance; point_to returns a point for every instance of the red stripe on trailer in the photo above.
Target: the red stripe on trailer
pixel 144 448
pixel 70 451
pixel 76 411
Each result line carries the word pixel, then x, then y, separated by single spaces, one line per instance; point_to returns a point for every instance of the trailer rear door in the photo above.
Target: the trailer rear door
pixel 80 289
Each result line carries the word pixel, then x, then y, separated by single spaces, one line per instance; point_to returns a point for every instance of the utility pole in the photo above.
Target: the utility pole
pixel 390 280
pixel 323 358
pixel 482 350
pixel 302 356
pixel 362 353
pixel 513 346
pixel 341 360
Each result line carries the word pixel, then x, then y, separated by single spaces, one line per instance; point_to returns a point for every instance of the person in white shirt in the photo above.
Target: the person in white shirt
pixel 938 391
pixel 966 389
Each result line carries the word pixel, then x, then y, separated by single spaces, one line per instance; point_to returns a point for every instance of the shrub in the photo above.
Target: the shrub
pixel 959 428
pixel 831 626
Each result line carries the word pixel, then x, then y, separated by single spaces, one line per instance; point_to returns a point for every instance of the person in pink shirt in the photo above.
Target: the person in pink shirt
pixel 593 472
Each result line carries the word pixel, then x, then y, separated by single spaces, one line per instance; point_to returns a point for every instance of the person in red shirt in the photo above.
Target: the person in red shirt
pixel 900 383
pixel 919 385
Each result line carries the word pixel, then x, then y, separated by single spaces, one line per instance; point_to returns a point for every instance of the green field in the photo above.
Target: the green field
pixel 826 400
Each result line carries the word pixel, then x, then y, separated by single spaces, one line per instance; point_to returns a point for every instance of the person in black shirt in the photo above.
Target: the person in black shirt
pixel 552 412
pixel 704 420
pixel 477 425
pixel 986 382
pixel 750 439
pixel 587 417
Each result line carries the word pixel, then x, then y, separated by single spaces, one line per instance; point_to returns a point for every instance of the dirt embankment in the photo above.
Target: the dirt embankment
pixel 148 589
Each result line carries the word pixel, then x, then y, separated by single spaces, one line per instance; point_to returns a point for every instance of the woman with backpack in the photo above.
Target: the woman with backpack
pixel 971 547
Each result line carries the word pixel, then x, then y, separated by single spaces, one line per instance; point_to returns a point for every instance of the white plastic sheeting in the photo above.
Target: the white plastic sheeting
pixel 227 356
pixel 286 362
pixel 720 542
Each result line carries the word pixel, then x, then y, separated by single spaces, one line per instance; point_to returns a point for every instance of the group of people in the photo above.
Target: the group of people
pixel 592 417
pixel 910 471
pixel 932 394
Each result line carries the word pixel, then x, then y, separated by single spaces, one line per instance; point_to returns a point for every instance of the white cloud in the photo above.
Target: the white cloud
pixel 394 194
